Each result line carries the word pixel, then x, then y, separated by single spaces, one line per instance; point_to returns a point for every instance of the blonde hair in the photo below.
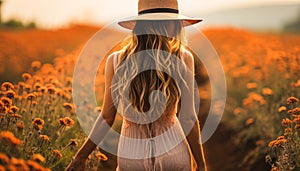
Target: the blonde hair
pixel 154 37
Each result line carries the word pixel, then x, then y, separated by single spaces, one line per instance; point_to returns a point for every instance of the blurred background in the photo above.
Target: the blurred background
pixel 257 42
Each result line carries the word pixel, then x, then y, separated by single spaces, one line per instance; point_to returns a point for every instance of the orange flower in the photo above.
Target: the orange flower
pixel 14 109
pixel 6 101
pixel 11 94
pixel 44 137
pixel 57 153
pixel 66 121
pixel 287 130
pixel 20 125
pixel 7 86
pixel 101 157
pixel 38 123
pixel 52 90
pixel 37 86
pixel 38 157
pixel 26 76
pixel 272 143
pixel 282 108
pixel 286 122
pixel 20 163
pixel 4 158
pixel 292 100
pixel 73 143
pixel 10 138
pixel 296 111
pixel 296 84
pixel 43 89
pixel 17 116
pixel 237 111
pixel 30 96
pixel 68 106
pixel 35 65
pixel 251 85
pixel 297 120
pixel 35 166
pixel 249 121
pixel 267 91
pixel 275 169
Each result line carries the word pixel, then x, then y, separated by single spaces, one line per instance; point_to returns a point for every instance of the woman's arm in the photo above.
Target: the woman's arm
pixel 190 116
pixel 102 124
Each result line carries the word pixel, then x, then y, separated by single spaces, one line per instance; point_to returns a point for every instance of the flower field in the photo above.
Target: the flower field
pixel 39 129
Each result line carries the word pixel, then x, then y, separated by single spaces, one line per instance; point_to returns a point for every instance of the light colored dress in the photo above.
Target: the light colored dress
pixel 157 146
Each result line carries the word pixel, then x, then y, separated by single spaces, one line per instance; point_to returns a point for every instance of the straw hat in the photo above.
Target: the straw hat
pixel 158 10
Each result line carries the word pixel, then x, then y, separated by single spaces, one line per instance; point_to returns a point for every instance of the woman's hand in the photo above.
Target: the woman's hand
pixel 77 164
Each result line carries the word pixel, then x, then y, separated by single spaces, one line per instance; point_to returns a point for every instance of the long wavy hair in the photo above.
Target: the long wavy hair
pixel 159 41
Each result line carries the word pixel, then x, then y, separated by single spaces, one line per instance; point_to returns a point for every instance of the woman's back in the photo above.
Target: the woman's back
pixel 154 144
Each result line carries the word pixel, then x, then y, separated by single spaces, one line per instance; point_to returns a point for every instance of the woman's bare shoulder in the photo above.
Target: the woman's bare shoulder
pixel 113 55
pixel 187 57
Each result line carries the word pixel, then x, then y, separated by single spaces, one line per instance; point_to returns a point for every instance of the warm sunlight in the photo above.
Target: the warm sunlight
pixel 57 13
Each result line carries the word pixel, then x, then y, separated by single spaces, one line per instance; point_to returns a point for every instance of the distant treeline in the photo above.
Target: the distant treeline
pixel 16 24
pixel 293 27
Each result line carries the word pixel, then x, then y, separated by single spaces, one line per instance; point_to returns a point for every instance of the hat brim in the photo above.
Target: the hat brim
pixel 129 23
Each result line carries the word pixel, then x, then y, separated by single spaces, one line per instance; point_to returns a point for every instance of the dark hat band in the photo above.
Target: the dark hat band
pixel 159 10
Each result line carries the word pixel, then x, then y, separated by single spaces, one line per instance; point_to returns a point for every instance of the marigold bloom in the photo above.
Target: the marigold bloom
pixel 14 109
pixel 267 91
pixel 101 157
pixel 52 90
pixel 43 89
pixel 38 123
pixel 44 137
pixel 4 158
pixel 37 86
pixel 249 121
pixel 6 101
pixel 15 115
pixel 57 153
pixel 296 84
pixel 296 111
pixel 10 94
pixel 35 65
pixel 26 76
pixel 237 111
pixel 275 169
pixel 68 106
pixel 286 122
pixel 20 125
pixel 10 138
pixel 282 108
pixel 34 165
pixel 288 130
pixel 292 100
pixel 30 96
pixel 251 85
pixel 280 137
pixel 66 121
pixel 297 120
pixel 73 143
pixel 271 144
pixel 7 86
pixel 38 157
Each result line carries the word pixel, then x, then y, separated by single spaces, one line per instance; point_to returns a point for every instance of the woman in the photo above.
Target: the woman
pixel 140 80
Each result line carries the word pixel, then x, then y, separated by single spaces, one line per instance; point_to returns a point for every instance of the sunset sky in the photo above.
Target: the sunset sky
pixel 56 13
